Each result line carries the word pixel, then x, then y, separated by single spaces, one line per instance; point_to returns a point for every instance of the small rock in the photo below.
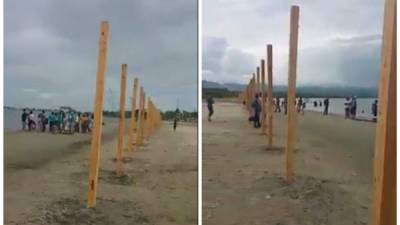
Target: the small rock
pixel 268 197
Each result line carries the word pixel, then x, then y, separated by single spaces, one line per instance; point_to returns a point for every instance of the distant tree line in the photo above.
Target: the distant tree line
pixel 218 93
pixel 305 92
pixel 180 115
pixel 167 115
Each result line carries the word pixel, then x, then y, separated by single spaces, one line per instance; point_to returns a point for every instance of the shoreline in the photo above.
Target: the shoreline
pixel 361 117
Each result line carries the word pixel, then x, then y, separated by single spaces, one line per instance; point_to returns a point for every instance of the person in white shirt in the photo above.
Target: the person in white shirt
pixel 347 104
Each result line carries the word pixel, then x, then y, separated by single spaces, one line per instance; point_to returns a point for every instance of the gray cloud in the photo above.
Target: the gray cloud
pixel 52 46
pixel 339 41
pixel 223 63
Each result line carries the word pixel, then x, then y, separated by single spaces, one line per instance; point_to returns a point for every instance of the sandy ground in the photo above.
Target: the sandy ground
pixel 46 179
pixel 243 180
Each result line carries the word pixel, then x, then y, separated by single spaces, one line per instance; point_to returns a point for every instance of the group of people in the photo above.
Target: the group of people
pixel 350 108
pixel 300 104
pixel 57 121
pixel 256 106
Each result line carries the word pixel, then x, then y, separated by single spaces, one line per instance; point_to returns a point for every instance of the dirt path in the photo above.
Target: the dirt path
pixel 160 185
pixel 242 180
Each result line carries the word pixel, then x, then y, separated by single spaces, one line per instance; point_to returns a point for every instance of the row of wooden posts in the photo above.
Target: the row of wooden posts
pixel 257 86
pixel 141 126
pixel 384 194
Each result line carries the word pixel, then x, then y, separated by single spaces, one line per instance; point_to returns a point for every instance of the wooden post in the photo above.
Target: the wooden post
pixel 254 88
pixel 248 97
pixel 258 80
pixel 270 97
pixel 98 116
pixel 384 197
pixel 132 127
pixel 152 117
pixel 264 110
pixel 147 126
pixel 143 119
pixel 140 119
pixel 291 117
pixel 121 130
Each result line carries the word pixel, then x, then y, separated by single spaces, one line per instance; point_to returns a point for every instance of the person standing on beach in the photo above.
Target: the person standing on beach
pixel 31 121
pixel 56 122
pixel 347 104
pixel 353 108
pixel 300 106
pixel 210 102
pixel 285 104
pixel 374 110
pixel 256 105
pixel 43 121
pixel 77 120
pixel 24 117
pixel 51 122
pixel 39 120
pixel 175 123
pixel 277 105
pixel 326 106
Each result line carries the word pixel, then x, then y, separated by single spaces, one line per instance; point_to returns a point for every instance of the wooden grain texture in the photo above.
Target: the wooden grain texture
pixel 384 197
pixel 270 112
pixel 143 127
pixel 132 125
pixel 140 119
pixel 263 99
pixel 292 115
pixel 98 115
pixel 121 124
pixel 258 85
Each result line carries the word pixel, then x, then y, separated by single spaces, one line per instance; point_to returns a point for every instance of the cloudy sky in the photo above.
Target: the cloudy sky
pixel 339 41
pixel 51 50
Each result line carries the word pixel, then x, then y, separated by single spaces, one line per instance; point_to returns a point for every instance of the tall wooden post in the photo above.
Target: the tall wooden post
pixel 98 115
pixel 152 117
pixel 258 81
pixel 144 124
pixel 248 97
pixel 139 127
pixel 254 87
pixel 291 117
pixel 121 130
pixel 147 127
pixel 270 97
pixel 132 126
pixel 384 198
pixel 264 110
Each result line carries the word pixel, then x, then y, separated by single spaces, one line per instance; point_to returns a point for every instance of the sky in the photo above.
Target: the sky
pixel 339 41
pixel 51 51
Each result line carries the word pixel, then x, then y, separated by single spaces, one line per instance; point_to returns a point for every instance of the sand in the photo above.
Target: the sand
pixel 46 179
pixel 243 180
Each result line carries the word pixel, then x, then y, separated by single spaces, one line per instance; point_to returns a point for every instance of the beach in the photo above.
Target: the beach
pixel 333 170
pixel 46 178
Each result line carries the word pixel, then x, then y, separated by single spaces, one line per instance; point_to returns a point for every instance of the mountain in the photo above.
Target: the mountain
pixel 210 84
pixel 304 90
